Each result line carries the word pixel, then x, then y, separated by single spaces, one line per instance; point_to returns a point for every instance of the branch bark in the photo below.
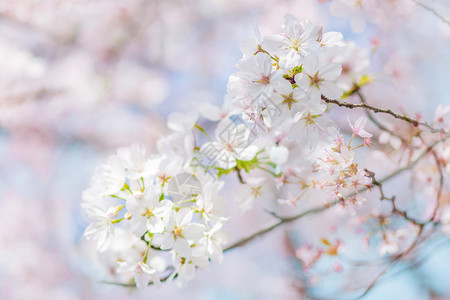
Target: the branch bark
pixel 364 105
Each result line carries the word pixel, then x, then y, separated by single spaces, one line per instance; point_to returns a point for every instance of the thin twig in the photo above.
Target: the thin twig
pixel 375 121
pixel 413 122
pixel 392 263
pixel 286 220
pixel 441 185
pixel 238 172
pixel 395 209
pixel 419 261
pixel 282 221
pixel 133 285
pixel 434 12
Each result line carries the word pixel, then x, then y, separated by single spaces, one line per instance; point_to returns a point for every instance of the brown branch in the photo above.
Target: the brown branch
pixel 375 121
pixel 238 172
pixel 364 105
pixel 286 220
pixel 395 260
pixel 395 209
pixel 282 221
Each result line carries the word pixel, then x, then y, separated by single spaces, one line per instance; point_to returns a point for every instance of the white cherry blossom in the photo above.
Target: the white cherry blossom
pixel 234 143
pixel 358 127
pixel 180 230
pixel 256 76
pixel 147 211
pixel 319 79
pixel 136 163
pixel 299 39
pixel 101 227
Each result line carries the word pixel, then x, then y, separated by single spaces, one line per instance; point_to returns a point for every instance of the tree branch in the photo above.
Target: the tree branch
pixel 286 220
pixel 364 105
pixel 133 285
pixel 434 12
pixel 395 209
pixel 375 121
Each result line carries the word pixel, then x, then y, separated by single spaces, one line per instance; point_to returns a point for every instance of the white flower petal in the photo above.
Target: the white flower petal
pixel 183 217
pixel 248 153
pixel 182 247
pixel 303 81
pixel 279 154
pixel 330 71
pixel 155 224
pixel 194 231
pixel 330 90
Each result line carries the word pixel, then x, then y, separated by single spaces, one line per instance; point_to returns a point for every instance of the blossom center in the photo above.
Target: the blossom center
pixel 309 119
pixel 295 44
pixel 264 79
pixel 256 191
pixel 148 213
pixel 177 232
pixel 229 147
pixel 289 100
pixel 316 80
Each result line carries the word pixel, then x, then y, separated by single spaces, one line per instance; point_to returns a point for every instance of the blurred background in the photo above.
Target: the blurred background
pixel 80 78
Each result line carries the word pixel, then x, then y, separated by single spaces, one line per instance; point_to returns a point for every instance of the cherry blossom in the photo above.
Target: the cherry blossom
pixel 233 144
pixel 317 78
pixel 299 39
pixel 101 228
pixel 147 211
pixel 180 230
pixel 358 127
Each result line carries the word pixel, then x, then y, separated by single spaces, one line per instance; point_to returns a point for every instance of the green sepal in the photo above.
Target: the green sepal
pixel 223 171
pixel 247 165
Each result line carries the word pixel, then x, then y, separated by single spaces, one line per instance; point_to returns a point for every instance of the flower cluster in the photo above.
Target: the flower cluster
pixel 155 215
pixel 282 77
pixel 276 101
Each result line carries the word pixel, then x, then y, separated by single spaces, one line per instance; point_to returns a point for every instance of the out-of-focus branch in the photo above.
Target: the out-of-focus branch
pixel 132 285
pixel 418 261
pixel 282 221
pixel 404 214
pixel 434 12
pixel 441 184
pixel 393 261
